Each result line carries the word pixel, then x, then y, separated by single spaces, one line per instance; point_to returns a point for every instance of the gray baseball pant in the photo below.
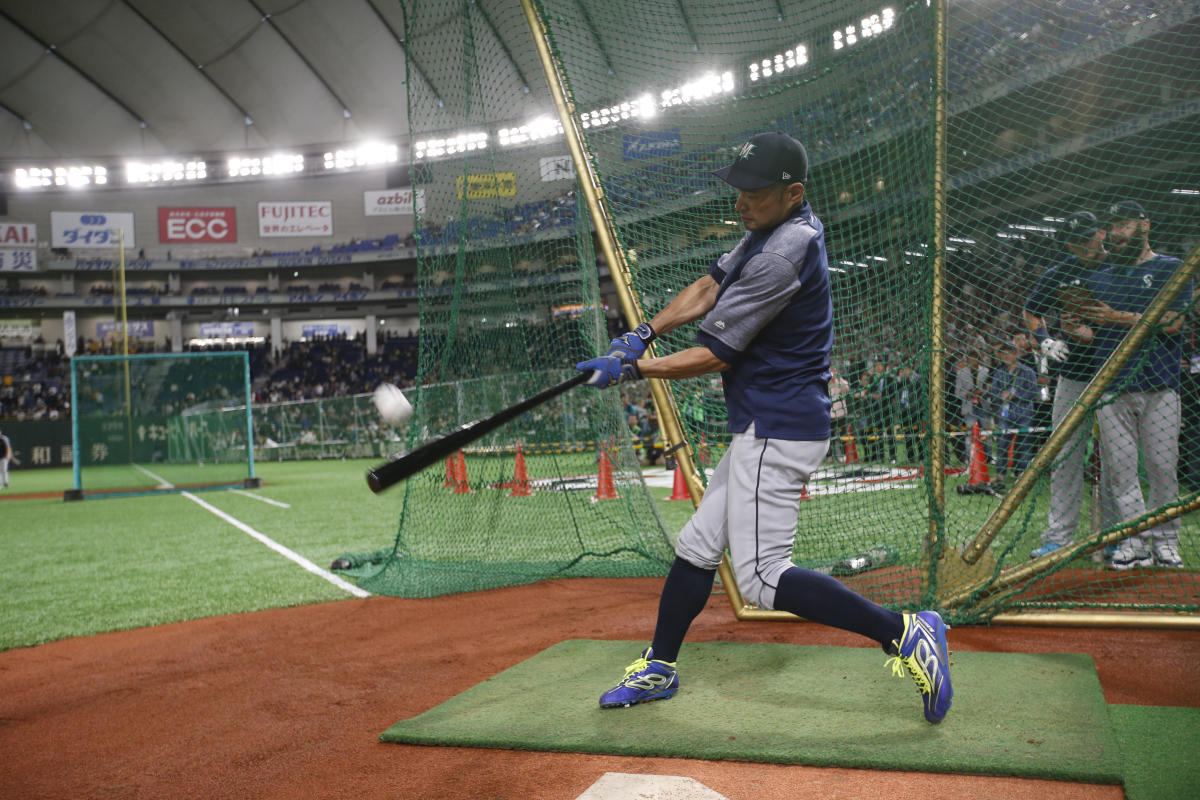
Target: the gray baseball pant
pixel 751 507
pixel 1067 474
pixel 1149 422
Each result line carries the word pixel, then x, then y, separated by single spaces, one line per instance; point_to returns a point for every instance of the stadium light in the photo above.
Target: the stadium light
pixel 540 128
pixel 165 171
pixel 74 176
pixel 365 155
pixel 707 85
pixel 869 26
pixel 278 164
pixel 786 61
pixel 460 143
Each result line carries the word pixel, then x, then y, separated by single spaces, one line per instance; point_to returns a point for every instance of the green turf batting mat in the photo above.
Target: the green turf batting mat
pixel 1037 716
pixel 1158 745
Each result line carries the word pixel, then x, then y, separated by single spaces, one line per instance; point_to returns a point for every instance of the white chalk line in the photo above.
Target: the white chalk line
pixel 163 483
pixel 278 548
pixel 260 497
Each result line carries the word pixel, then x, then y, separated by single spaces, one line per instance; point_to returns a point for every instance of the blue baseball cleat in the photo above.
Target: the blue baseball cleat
pixel 1045 550
pixel 645 679
pixel 923 651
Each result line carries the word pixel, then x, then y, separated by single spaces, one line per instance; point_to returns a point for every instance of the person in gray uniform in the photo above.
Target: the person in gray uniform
pixel 5 456
pixel 767 329
pixel 1141 412
pixel 1052 315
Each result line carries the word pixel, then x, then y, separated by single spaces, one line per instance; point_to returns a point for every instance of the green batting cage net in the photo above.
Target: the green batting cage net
pixel 144 424
pixel 974 466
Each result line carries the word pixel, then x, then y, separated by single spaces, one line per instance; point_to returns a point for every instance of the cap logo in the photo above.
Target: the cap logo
pixel 786 176
pixel 747 150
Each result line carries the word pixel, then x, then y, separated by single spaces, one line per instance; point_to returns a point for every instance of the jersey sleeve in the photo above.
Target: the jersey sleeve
pixel 764 288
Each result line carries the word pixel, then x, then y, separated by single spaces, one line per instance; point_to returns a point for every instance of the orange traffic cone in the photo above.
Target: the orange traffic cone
pixel 804 495
pixel 451 473
pixel 520 483
pixel 978 470
pixel 461 485
pixel 680 490
pixel 851 450
pixel 604 482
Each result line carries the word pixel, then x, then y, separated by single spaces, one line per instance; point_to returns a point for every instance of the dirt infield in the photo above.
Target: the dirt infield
pixel 288 703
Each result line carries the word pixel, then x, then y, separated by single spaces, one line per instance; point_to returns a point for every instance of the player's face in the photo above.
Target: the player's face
pixel 1126 239
pixel 764 209
pixel 1090 251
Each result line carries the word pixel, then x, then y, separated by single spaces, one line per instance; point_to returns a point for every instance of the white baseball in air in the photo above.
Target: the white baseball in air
pixel 392 404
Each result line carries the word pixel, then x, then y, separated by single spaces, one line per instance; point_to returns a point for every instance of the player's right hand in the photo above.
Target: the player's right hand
pixel 632 344
pixel 1055 349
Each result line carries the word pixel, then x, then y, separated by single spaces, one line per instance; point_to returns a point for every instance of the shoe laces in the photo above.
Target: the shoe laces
pixel 636 667
pixel 900 663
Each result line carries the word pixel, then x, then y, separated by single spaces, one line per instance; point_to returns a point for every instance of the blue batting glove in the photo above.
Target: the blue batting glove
pixel 632 344
pixel 610 370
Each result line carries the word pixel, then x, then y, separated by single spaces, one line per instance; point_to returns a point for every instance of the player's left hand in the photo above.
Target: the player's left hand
pixel 1100 313
pixel 632 344
pixel 610 370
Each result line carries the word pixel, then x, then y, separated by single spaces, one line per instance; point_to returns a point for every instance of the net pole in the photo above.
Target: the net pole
pixel 249 415
pixel 75 457
pixel 664 402
pixel 1138 334
pixel 937 355
pixel 125 342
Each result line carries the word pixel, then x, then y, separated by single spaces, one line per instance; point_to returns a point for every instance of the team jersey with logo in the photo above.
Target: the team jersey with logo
pixel 1044 301
pixel 1156 363
pixel 773 324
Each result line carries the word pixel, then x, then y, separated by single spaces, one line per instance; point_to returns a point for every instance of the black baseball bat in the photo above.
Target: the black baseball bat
pixel 396 470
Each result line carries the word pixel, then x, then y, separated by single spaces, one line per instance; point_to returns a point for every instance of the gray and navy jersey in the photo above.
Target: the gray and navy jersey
pixel 1044 302
pixel 1156 365
pixel 773 324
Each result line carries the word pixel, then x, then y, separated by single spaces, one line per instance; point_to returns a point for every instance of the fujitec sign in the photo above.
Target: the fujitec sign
pixel 304 218
pixel 197 225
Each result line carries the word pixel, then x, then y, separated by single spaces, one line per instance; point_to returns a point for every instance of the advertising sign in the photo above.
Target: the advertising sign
pixel 488 184
pixel 18 234
pixel 138 329
pixel 557 168
pixel 79 230
pixel 303 218
pixel 197 225
pixel 69 340
pixel 221 330
pixel 18 247
pixel 18 259
pixel 329 330
pixel 650 145
pixel 402 200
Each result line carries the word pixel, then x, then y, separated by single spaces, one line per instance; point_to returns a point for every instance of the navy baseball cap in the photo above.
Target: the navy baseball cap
pixel 1078 227
pixel 1124 209
pixel 765 159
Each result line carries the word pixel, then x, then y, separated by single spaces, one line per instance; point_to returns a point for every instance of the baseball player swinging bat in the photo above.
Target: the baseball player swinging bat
pixel 407 465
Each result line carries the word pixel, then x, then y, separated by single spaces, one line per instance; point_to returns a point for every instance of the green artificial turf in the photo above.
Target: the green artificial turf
pixel 1158 747
pixel 99 565
pixel 1029 715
